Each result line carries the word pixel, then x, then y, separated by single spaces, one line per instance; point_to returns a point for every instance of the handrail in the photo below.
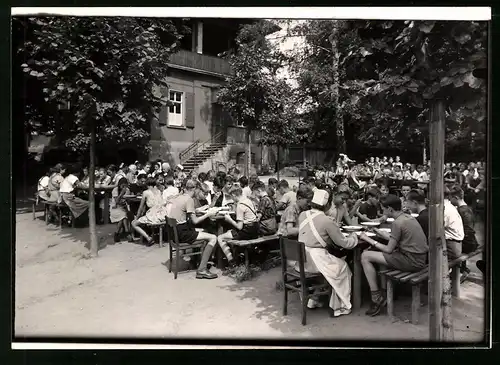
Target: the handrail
pixel 198 147
pixel 186 152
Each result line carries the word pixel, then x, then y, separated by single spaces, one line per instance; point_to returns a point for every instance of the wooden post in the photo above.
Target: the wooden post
pixel 199 37
pixel 437 244
pixel 424 152
pixel 248 151
pixel 94 247
pixel 278 164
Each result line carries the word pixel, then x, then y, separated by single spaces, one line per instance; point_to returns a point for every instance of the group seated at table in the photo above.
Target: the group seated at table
pixel 314 213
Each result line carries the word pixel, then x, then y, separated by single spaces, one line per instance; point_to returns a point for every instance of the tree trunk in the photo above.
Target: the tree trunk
pixel 440 310
pixel 92 225
pixel 304 156
pixel 424 151
pixel 278 164
pixel 338 115
pixel 248 152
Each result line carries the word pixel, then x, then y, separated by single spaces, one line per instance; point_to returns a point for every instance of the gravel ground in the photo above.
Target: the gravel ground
pixel 127 291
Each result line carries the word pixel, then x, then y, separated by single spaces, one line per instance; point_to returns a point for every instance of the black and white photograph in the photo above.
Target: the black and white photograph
pixel 238 174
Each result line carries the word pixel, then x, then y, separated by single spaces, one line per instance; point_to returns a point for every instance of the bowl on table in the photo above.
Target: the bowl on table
pixel 390 220
pixel 371 224
pixel 388 230
pixel 352 228
pixel 414 215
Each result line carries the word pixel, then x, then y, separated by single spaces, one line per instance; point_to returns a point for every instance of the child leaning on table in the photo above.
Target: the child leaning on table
pixel 120 211
pixel 246 225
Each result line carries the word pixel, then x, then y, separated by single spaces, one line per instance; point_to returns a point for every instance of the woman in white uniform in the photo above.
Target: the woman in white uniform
pixel 326 248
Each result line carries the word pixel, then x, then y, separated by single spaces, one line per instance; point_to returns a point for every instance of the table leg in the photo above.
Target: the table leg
pixel 106 208
pixel 357 275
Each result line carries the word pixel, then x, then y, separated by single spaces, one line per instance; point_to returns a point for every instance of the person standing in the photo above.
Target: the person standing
pixel 469 242
pixel 453 227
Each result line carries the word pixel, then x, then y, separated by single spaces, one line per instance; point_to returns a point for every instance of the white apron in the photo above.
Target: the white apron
pixel 334 269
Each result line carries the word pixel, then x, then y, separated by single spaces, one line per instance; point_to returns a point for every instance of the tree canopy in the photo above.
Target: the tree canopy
pixel 390 72
pixel 113 66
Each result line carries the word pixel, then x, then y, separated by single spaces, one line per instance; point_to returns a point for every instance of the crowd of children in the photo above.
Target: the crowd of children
pixel 351 193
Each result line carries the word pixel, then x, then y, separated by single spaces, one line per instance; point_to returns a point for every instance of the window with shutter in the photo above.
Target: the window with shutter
pixel 175 110
pixel 190 110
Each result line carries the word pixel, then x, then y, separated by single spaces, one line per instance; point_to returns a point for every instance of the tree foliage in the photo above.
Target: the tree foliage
pixel 255 95
pixel 396 69
pixel 389 74
pixel 107 65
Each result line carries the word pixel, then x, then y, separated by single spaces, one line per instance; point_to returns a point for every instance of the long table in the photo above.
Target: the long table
pixel 107 195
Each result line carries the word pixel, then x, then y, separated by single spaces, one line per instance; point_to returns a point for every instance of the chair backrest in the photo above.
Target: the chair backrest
pixel 173 236
pixel 292 250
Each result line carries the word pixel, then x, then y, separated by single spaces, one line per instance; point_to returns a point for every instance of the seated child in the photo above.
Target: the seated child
pixel 246 225
pixel 120 211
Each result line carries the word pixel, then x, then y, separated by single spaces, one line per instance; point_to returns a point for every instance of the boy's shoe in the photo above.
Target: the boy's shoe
pixel 205 274
pixel 116 237
pixel 375 308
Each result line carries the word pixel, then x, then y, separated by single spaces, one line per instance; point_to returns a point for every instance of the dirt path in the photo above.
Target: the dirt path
pixel 128 292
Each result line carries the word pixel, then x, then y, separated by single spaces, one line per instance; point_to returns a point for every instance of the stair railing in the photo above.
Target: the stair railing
pixel 198 147
pixel 188 152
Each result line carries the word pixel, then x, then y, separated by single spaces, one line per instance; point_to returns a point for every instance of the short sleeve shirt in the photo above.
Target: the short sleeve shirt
pixel 68 184
pixel 409 234
pixel 289 198
pixel 290 215
pixel 245 211
pixel 182 206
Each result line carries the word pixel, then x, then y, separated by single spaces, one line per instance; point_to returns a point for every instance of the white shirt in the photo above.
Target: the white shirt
pixel 465 173
pixel 210 185
pixel 453 225
pixel 68 184
pixel 43 183
pixel 170 191
pixel 247 192
pixel 415 175
pixel 423 176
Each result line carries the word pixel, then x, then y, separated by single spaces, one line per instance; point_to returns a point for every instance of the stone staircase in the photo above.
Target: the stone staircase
pixel 203 153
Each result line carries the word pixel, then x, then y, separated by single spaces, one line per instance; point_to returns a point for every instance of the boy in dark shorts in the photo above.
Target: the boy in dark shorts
pixel 183 211
pixel 246 225
pixel 407 249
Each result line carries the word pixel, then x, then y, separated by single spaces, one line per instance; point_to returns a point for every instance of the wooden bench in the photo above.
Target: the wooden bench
pixel 246 244
pixel 415 279
pixel 59 209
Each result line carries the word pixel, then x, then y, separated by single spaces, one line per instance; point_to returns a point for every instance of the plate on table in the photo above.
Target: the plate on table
pixel 369 234
pixel 371 224
pixel 390 220
pixel 352 228
pixel 388 230
pixel 414 215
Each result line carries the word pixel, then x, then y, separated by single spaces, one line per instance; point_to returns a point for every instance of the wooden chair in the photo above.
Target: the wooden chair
pixel 299 281
pixel 179 247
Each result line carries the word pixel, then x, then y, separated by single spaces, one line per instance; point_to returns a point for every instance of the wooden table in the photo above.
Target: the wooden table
pixel 107 195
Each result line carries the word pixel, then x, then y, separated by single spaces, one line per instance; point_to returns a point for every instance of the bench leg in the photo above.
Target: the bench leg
pixel 33 208
pixel 390 299
pixel 455 281
pixel 160 240
pixel 46 212
pixel 415 303
pixel 60 212
pixel 247 258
